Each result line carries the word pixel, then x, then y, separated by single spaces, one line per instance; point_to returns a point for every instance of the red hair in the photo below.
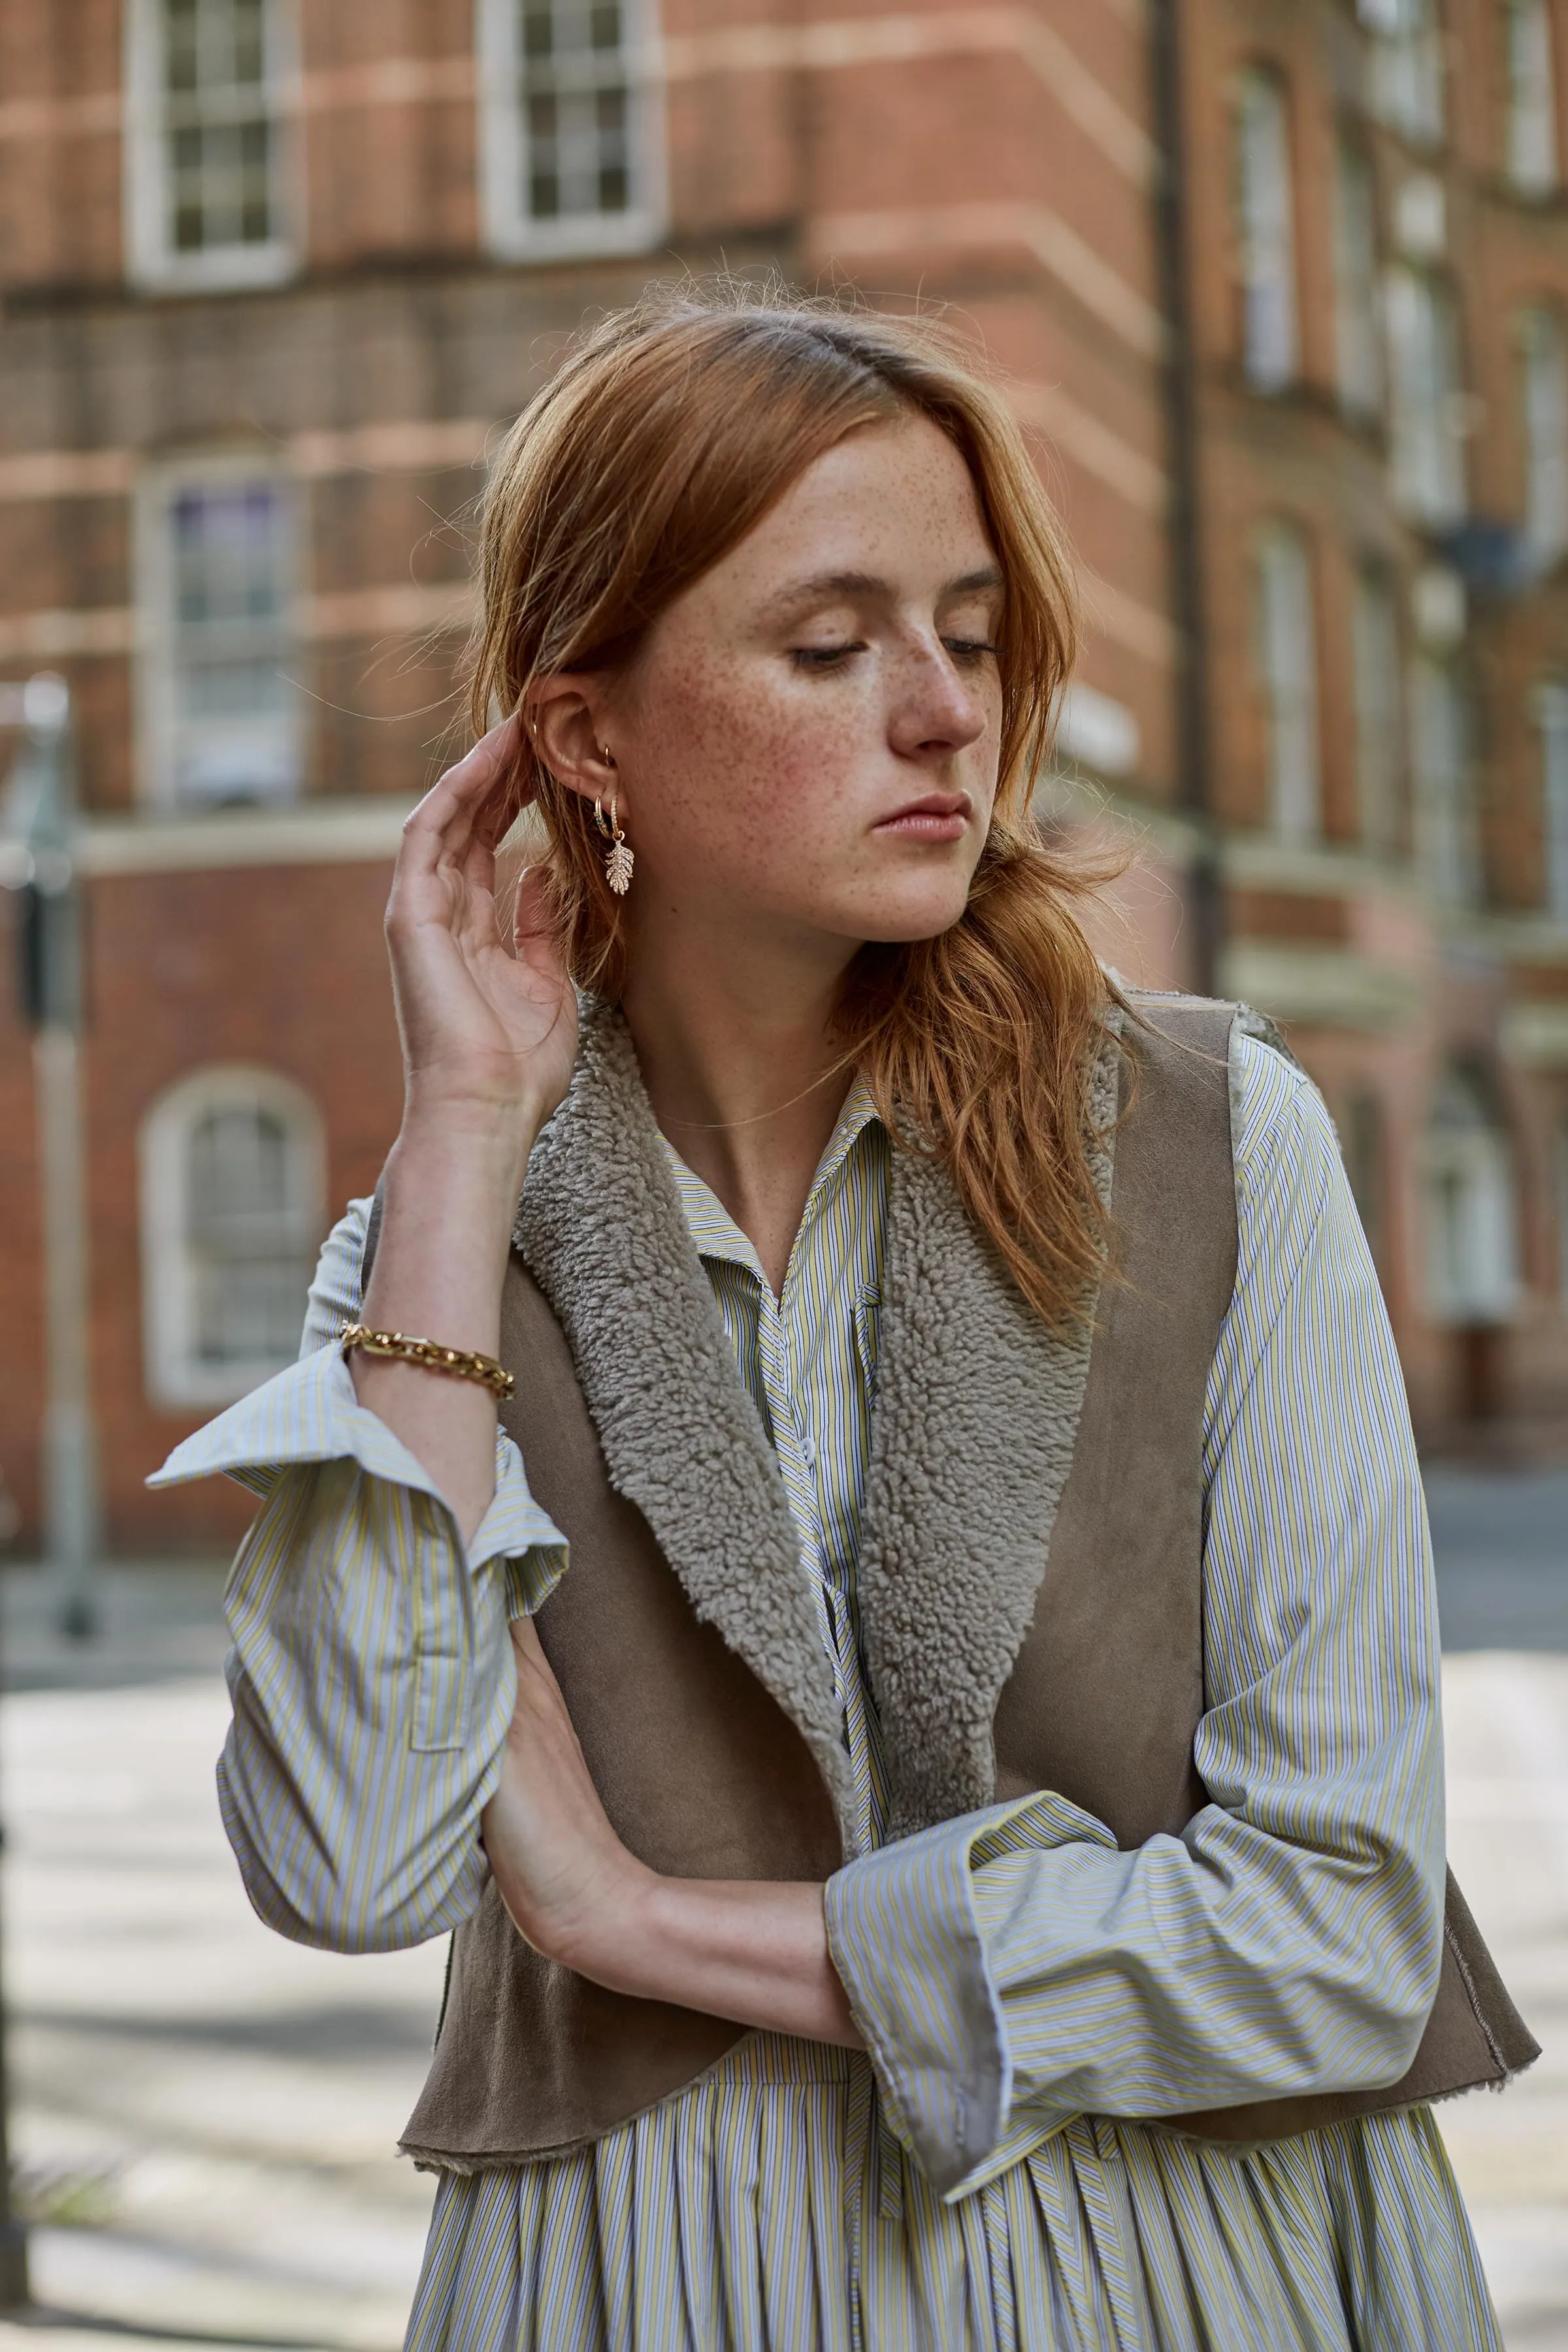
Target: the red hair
pixel 667 433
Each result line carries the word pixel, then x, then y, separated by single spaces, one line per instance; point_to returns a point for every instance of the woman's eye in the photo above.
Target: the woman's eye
pixel 825 656
pixel 968 649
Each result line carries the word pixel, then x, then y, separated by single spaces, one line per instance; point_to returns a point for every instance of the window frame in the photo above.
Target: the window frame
pixel 1358 308
pixel 1380 809
pixel 1408 64
pixel 173 1375
pixel 1540 338
pixel 1550 702
pixel 157 668
pixel 1260 79
pixel 1532 184
pixel 151 260
pixel 1449 846
pixel 508 231
pixel 1304 826
pixel 1407 424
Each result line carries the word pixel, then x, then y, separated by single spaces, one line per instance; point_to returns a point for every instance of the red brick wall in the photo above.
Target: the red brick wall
pixel 282 967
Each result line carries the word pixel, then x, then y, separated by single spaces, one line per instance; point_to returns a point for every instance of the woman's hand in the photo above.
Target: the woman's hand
pixel 488 1031
pixel 751 1949
pixel 489 1037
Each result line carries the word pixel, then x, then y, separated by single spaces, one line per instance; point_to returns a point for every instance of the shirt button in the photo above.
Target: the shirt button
pixel 809 1452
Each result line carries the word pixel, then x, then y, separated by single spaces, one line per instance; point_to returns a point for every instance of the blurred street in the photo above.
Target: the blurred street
pixel 205 2115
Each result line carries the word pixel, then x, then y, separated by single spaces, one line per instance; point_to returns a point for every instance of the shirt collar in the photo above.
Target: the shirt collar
pixel 715 1232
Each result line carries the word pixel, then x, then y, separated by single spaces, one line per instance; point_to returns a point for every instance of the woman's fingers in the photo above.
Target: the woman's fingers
pixel 487 782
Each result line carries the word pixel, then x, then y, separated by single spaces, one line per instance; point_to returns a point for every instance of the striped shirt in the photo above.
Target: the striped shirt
pixel 1286 1938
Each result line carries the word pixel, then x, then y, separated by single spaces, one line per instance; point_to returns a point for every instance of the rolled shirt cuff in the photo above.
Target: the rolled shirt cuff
pixel 311 1412
pixel 908 1931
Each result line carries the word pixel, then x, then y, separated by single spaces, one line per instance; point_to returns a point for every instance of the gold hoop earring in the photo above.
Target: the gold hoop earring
pixel 620 860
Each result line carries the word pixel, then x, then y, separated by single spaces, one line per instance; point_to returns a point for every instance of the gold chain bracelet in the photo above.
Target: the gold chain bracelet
pixel 462 1363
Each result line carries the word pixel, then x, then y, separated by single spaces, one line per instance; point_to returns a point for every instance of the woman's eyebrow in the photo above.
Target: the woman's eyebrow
pixel 973 584
pixel 824 586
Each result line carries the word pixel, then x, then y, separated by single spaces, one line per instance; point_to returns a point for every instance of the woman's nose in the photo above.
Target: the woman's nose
pixel 937 708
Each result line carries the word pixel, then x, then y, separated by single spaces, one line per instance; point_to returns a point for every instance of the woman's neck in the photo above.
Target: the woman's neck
pixel 743 1075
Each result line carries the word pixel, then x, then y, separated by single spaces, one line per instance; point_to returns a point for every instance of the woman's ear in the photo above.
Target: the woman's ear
pixel 565 727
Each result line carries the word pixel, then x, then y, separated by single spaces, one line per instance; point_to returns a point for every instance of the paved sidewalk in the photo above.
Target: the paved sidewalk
pixel 205 2115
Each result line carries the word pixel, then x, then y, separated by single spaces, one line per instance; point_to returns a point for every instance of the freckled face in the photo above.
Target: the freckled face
pixel 808 739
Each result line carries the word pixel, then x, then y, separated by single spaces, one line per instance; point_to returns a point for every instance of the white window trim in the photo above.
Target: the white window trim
pixel 174 1377
pixel 149 260
pixel 1532 161
pixel 1359 371
pixel 508 232
pixel 153 666
pixel 1270 264
pixel 1294 719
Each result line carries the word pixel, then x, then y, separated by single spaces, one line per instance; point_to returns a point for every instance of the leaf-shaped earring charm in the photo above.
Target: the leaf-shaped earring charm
pixel 620 860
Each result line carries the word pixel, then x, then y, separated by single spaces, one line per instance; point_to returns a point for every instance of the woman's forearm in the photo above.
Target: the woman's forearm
pixel 449 1198
pixel 752 1950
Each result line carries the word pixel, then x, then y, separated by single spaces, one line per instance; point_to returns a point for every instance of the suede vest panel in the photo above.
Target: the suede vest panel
pixel 705 1774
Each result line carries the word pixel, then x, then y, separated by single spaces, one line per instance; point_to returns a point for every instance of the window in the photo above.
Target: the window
pixel 1531 145
pixel 1544 403
pixel 1472 1246
pixel 1552 714
pixel 1374 654
pixel 1358 355
pixel 1407 66
pixel 1443 745
pixel 232 1188
pixel 569 125
pixel 206 141
pixel 1286 655
pixel 216 564
pixel 1264 205
pixel 1427 420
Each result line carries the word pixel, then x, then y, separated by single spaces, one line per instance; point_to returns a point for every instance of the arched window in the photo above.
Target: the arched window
pixel 1552 717
pixel 1544 389
pixel 1266 221
pixel 1531 140
pixel 1407 66
pixel 1426 419
pixel 1380 751
pixel 1286 655
pixel 232 1191
pixel 1357 328
pixel 1472 1242
pixel 1442 766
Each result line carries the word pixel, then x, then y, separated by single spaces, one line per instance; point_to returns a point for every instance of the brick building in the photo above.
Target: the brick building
pixel 1281 291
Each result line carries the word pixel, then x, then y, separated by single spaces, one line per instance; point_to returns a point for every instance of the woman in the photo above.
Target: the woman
pixel 951 1851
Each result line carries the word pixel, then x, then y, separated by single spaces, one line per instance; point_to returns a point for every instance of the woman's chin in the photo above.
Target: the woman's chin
pixel 900 919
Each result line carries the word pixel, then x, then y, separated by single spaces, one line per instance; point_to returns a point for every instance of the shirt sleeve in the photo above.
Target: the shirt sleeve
pixel 1013 1969
pixel 372 1674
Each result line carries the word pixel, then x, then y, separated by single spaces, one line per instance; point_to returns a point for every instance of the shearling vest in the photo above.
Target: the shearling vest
pixel 1065 1474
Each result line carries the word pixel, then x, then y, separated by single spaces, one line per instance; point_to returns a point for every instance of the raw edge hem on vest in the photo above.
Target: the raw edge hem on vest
pixel 434 2159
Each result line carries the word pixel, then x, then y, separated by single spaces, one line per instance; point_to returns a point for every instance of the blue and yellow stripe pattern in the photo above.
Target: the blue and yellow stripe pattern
pixel 982 2181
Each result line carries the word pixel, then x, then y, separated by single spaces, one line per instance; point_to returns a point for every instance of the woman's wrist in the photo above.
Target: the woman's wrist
pixel 442 1132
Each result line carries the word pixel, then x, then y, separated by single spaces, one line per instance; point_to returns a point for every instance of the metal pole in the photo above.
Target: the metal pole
pixel 42 815
pixel 1205 891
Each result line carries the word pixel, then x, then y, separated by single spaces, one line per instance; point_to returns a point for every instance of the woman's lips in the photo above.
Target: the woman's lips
pixel 941 816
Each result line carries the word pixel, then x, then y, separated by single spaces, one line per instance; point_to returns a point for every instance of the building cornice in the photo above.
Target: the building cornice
pixel 306 832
